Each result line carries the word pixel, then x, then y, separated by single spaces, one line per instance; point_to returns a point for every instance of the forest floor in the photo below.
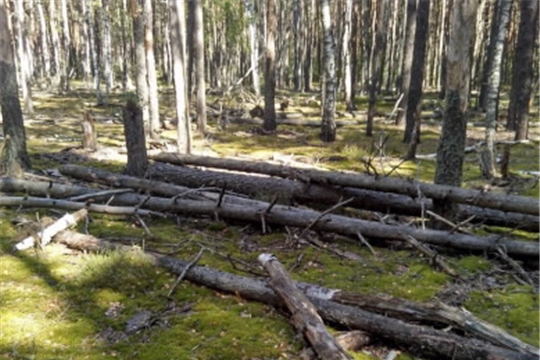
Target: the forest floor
pixel 57 303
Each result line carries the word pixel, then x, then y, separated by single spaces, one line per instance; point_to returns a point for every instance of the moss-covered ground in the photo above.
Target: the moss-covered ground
pixel 56 303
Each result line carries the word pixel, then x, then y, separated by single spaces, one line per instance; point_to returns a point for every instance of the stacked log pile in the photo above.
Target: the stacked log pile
pixel 236 196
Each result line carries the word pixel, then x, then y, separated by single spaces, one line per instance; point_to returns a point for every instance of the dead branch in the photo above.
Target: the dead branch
pixel 304 315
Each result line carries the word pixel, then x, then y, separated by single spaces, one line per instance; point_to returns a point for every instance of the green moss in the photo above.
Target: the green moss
pixel 474 264
pixel 514 309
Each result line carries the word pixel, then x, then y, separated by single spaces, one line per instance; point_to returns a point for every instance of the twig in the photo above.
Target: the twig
pixel 335 207
pixel 99 194
pixel 365 242
pixel 515 266
pixel 269 208
pixel 448 222
pixel 435 258
pixel 221 195
pixel 141 221
pixel 186 269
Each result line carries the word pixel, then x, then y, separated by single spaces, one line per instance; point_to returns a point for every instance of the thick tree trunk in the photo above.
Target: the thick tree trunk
pixel 14 158
pixel 135 140
pixel 518 204
pixel 450 153
pixel 422 341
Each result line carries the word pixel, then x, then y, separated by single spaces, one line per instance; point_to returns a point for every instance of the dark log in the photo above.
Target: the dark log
pixel 135 140
pixel 518 204
pixel 423 341
pixel 304 315
pixel 291 191
pixel 290 216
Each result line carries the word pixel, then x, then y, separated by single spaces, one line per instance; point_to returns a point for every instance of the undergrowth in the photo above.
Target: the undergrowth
pixel 56 303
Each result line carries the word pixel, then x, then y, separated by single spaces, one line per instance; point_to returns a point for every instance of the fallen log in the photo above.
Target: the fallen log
pixel 291 191
pixel 73 205
pixel 259 211
pixel 304 315
pixel 289 121
pixel 423 341
pixel 44 236
pixel 512 203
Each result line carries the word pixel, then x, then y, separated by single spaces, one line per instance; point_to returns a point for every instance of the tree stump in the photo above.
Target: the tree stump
pixel 137 162
pixel 89 141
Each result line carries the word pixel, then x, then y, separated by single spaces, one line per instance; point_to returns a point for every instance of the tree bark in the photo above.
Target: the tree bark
pixel 135 140
pixel 518 204
pixel 153 126
pixel 376 56
pixel 269 123
pixel 406 67
pixel 522 70
pixel 199 66
pixel 328 88
pixel 414 105
pixel 450 153
pixel 289 216
pixel 493 86
pixel 304 315
pixel 14 158
pixel 141 70
pixel 178 47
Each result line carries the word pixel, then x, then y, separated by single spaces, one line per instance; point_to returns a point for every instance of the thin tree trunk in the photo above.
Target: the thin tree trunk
pixel 328 88
pixel 348 81
pixel 199 66
pixel 410 31
pixel 270 69
pixel 153 124
pixel 141 70
pixel 178 49
pixel 414 106
pixel 522 70
pixel 493 87
pixel 107 51
pixel 24 56
pixel 45 70
pixel 66 46
pixel 253 45
pixel 376 62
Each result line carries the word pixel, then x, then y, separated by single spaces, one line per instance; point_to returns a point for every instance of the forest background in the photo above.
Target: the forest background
pixel 347 85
